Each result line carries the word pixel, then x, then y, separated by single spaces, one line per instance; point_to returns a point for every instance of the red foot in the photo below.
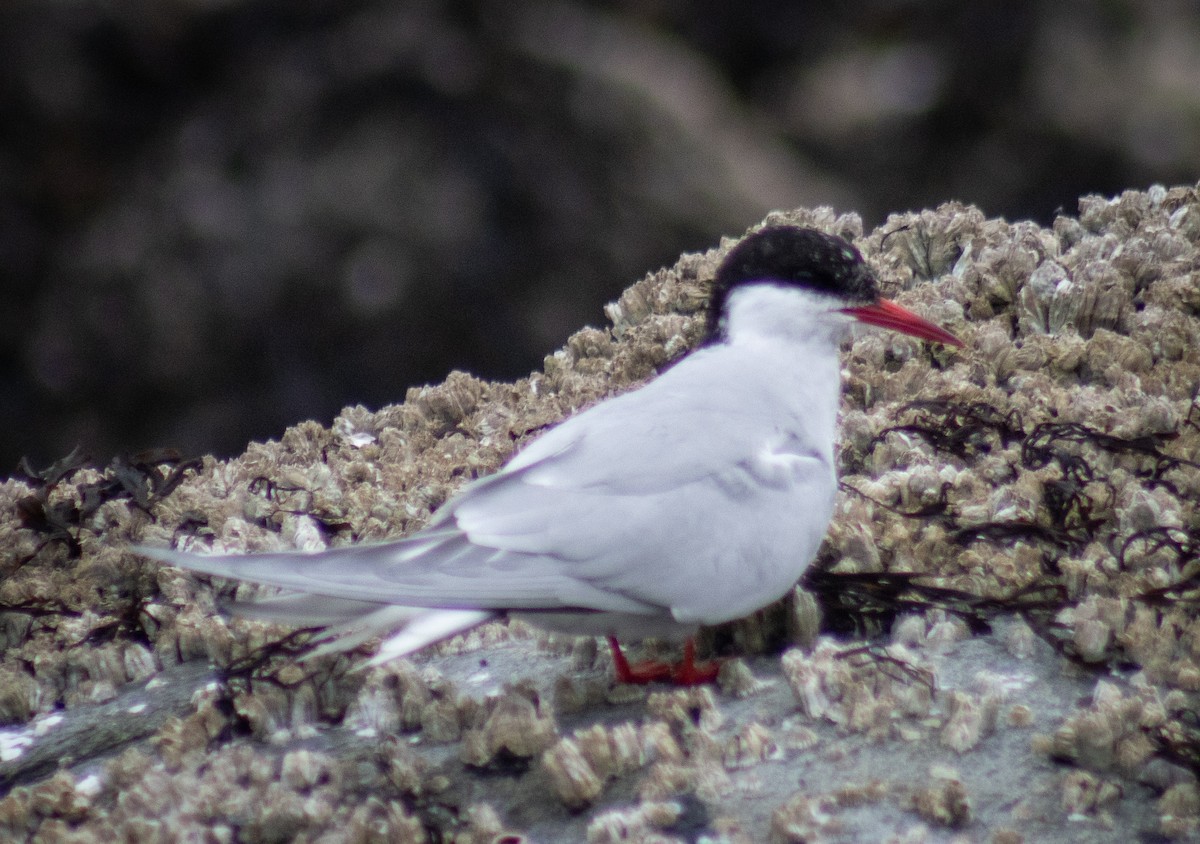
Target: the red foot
pixel 684 673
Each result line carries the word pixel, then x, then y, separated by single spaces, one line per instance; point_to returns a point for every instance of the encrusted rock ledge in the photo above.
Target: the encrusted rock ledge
pixel 1039 680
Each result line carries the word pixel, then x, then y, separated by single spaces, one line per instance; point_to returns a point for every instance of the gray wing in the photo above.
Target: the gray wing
pixel 654 501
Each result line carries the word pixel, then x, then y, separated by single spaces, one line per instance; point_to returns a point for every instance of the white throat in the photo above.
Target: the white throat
pixel 784 312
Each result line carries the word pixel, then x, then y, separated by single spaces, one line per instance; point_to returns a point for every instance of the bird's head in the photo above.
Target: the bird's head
pixel 787 279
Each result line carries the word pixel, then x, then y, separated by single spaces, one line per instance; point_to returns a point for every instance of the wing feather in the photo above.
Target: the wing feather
pixel 584 516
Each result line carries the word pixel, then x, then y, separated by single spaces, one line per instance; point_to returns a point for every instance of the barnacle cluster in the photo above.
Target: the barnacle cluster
pixel 1048 472
pixel 858 689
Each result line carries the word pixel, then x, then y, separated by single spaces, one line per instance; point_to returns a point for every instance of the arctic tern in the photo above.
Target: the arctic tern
pixel 694 500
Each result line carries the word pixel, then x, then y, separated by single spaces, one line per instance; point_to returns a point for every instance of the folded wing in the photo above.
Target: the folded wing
pixel 645 504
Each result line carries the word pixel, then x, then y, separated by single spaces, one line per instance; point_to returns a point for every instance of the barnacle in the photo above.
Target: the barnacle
pixel 749 746
pixel 803 818
pixel 1179 811
pixel 971 719
pixel 640 823
pixel 517 726
pixel 572 776
pixel 1084 793
pixel 946 802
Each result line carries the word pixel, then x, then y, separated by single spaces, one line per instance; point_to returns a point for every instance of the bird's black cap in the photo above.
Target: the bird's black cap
pixel 806 258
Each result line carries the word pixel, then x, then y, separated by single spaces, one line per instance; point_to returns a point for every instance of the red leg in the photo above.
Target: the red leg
pixel 649 671
pixel 688 673
pixel 685 673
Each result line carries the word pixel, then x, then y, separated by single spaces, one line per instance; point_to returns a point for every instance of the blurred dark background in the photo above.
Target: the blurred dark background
pixel 221 217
